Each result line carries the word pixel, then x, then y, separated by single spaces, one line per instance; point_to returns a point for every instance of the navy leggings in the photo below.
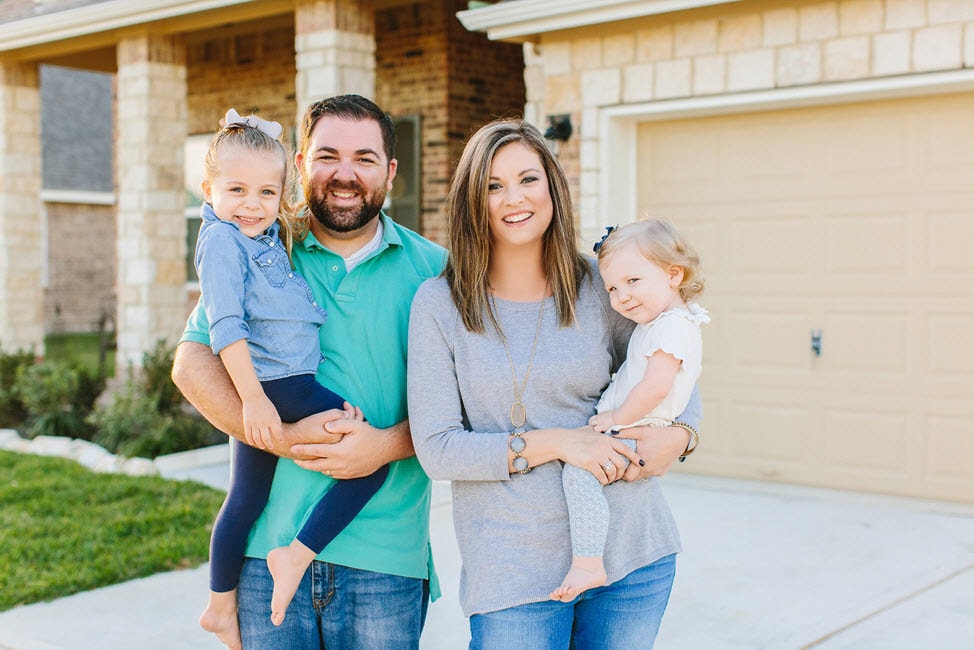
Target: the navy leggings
pixel 252 473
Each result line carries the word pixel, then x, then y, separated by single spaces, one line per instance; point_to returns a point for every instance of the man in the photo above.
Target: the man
pixel 370 587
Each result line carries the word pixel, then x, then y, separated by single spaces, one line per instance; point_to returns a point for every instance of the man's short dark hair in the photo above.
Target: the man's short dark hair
pixel 349 107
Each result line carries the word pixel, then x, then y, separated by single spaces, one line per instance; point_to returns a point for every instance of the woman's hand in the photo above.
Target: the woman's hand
pixel 604 456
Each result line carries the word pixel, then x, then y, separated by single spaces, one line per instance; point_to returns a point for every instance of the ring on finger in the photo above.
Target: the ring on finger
pixel 327 472
pixel 608 465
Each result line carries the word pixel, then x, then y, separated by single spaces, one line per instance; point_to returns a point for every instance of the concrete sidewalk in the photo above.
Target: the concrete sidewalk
pixel 765 566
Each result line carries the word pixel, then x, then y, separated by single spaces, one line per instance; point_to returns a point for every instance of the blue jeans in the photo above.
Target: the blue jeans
pixel 620 616
pixel 334 607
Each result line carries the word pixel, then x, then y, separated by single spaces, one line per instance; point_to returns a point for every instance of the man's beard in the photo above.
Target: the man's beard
pixel 344 219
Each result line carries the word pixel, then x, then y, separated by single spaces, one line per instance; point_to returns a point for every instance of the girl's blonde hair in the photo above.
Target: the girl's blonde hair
pixel 661 244
pixel 253 139
pixel 469 230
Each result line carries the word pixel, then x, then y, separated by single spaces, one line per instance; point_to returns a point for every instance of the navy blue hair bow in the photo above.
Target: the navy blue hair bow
pixel 598 244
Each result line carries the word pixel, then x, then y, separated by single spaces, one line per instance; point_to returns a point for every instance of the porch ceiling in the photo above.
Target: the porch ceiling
pixel 86 36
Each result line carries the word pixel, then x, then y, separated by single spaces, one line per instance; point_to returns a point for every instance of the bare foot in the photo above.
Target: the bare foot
pixel 287 565
pixel 220 618
pixel 585 573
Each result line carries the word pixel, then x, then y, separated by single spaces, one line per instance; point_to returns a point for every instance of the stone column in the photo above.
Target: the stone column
pixel 21 295
pixel 151 131
pixel 334 44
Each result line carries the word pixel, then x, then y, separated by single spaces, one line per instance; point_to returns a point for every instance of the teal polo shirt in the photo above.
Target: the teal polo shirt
pixel 364 348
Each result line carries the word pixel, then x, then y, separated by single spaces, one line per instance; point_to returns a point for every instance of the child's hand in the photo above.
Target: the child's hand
pixel 602 422
pixel 262 424
pixel 352 412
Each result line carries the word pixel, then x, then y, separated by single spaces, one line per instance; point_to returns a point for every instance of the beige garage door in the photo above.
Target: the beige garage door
pixel 857 220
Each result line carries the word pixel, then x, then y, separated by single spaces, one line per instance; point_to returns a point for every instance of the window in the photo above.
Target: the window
pixel 404 200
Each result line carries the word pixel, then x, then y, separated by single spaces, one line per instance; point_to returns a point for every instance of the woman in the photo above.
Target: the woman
pixel 509 352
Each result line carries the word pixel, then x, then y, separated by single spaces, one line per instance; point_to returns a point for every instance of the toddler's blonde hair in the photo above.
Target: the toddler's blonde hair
pixel 661 244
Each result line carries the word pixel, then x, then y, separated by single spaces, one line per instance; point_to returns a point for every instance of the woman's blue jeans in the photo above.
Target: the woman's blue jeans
pixel 620 616
pixel 334 607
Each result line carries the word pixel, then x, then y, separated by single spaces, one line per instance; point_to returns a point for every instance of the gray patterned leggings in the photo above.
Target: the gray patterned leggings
pixel 588 511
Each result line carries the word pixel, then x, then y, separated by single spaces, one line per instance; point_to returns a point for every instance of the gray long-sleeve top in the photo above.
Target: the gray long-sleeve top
pixel 512 530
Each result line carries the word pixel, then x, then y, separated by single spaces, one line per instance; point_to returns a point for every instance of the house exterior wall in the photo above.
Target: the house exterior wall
pixel 251 68
pixel 428 64
pixel 181 74
pixel 818 154
pixel 79 295
pixel 740 47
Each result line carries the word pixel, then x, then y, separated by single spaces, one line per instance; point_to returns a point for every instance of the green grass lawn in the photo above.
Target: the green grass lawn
pixel 82 347
pixel 65 529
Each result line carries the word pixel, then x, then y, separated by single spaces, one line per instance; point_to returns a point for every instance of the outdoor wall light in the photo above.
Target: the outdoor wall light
pixel 559 128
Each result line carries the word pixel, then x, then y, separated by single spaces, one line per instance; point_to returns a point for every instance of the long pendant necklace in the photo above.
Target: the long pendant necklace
pixel 519 413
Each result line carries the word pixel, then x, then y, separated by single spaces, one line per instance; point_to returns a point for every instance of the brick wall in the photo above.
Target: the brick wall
pixel 81 267
pixel 251 68
pixel 428 64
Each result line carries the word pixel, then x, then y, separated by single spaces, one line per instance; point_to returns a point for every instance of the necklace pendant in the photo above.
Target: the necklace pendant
pixel 518 414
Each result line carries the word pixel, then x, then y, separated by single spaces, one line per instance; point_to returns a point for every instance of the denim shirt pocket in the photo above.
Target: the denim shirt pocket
pixel 267 262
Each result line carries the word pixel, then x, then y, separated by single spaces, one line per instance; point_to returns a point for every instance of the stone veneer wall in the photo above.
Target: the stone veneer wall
pixel 735 48
pixel 151 247
pixel 21 310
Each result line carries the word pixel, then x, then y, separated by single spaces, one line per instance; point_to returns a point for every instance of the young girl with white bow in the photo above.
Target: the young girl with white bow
pixel 264 324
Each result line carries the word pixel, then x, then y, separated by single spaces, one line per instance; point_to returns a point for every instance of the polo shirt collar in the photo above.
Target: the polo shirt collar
pixel 390 236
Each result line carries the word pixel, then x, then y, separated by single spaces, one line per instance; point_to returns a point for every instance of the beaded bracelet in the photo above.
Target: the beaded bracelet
pixel 693 442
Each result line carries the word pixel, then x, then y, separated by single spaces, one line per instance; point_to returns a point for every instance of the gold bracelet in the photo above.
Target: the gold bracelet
pixel 692 443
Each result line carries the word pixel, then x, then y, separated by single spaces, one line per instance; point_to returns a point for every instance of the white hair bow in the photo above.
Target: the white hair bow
pixel 273 129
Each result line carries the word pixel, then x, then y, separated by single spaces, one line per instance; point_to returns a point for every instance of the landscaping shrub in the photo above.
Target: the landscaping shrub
pixel 13 413
pixel 146 417
pixel 58 397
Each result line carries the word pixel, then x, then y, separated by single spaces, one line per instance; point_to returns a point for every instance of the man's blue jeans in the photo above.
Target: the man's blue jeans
pixel 334 607
pixel 620 616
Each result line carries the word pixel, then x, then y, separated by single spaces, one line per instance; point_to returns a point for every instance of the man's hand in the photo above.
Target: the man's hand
pixel 311 432
pixel 347 448
pixel 659 447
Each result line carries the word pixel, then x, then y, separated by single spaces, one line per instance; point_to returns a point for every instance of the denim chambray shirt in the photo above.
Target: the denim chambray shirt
pixel 250 291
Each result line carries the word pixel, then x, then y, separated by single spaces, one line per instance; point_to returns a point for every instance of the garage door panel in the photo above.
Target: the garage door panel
pixel 950 348
pixel 858 344
pixel 766 431
pixel 946 156
pixel 857 219
pixel 861 149
pixel 775 245
pixel 674 162
pixel 765 340
pixel 950 249
pixel 949 449
pixel 866 243
pixel 873 442
pixel 761 151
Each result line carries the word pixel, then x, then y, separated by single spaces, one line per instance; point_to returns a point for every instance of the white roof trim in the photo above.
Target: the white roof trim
pixel 96 18
pixel 519 19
